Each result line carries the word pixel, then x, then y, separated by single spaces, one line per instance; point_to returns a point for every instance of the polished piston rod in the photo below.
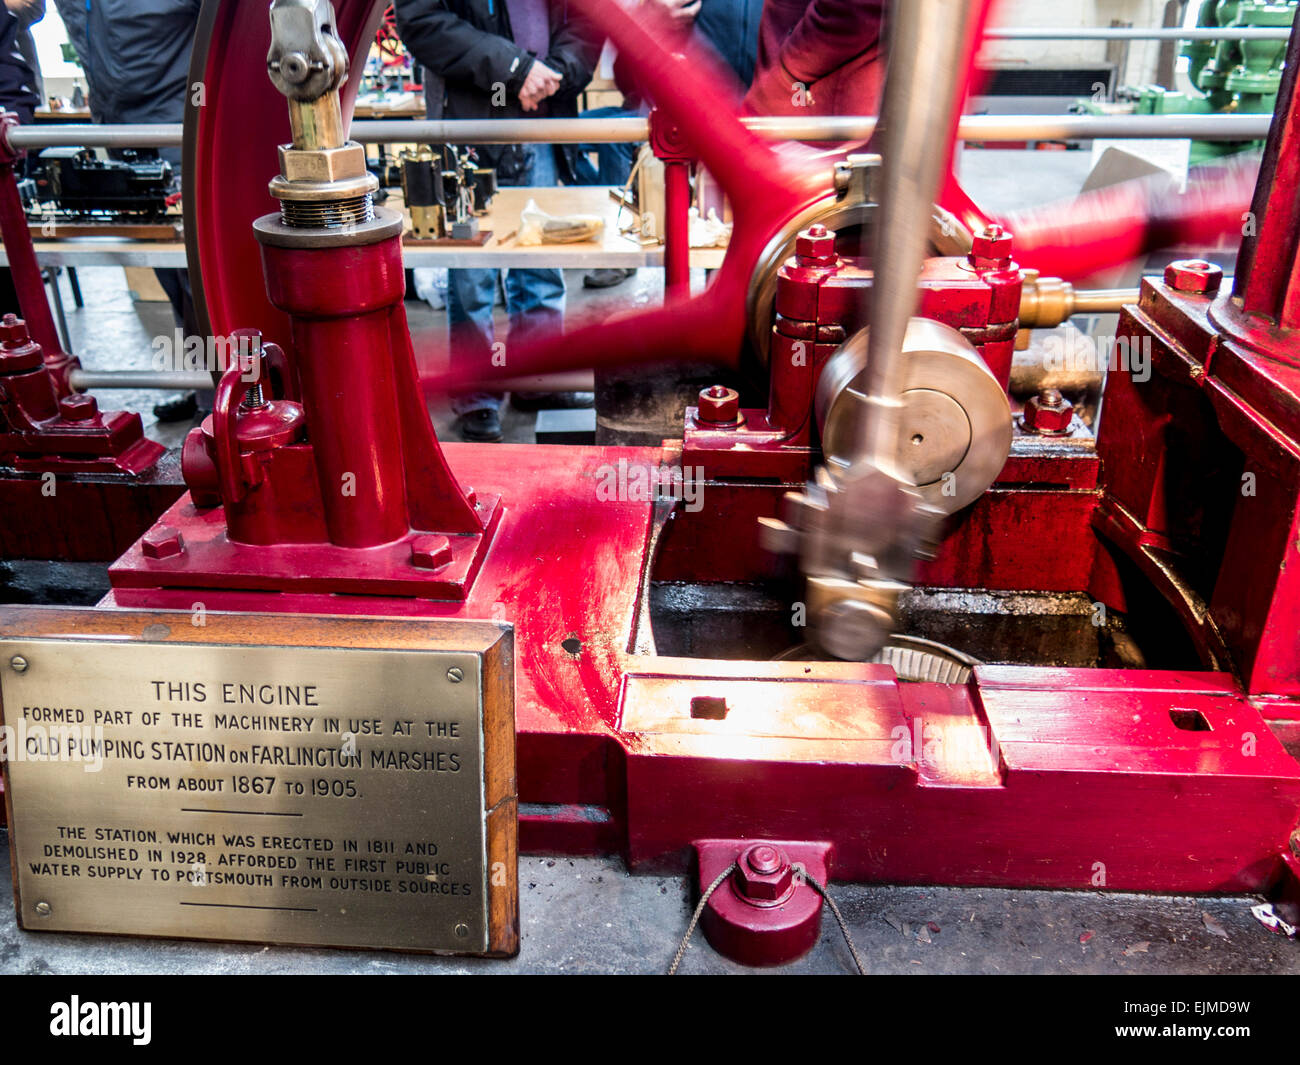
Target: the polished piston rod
pixel 990 128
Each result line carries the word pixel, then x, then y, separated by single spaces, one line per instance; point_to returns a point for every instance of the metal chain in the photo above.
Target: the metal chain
pixel 695 917
pixel 812 880
pixel 839 919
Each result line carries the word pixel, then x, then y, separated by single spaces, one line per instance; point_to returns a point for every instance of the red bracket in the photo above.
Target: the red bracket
pixel 765 912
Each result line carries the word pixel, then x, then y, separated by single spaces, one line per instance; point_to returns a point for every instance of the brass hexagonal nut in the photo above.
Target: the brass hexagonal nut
pixel 323 164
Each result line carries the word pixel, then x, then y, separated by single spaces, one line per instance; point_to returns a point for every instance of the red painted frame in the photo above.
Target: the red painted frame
pixel 1041 777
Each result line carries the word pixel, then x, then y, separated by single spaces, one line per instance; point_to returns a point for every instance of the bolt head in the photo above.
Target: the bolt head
pixel 815 246
pixel 455 674
pixel 718 405
pixel 764 874
pixel 78 407
pixel 1194 276
pixel 18 664
pixel 1049 414
pixel 13 330
pixel 162 542
pixel 430 552
pixel 43 909
pixel 991 248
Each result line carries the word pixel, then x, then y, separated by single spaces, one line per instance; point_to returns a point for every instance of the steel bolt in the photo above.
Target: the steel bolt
pixel 162 542
pixel 764 875
pixel 1048 414
pixel 78 407
pixel 719 405
pixel 1195 276
pixel 430 552
pixel 18 664
pixel 13 330
pixel 815 246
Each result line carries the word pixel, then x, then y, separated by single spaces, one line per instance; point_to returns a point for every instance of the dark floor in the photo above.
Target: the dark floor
pixel 589 915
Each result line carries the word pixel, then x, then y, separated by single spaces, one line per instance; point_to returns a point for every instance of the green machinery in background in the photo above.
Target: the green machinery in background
pixel 1233 77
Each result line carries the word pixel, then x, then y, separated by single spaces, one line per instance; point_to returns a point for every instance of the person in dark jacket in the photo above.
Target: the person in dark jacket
pixel 138 59
pixel 17 79
pixel 501 59
pixel 137 63
pixel 17 94
pixel 28 13
pixel 73 14
pixel 730 27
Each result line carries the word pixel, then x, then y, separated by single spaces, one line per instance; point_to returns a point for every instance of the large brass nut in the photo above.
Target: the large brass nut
pixel 323 164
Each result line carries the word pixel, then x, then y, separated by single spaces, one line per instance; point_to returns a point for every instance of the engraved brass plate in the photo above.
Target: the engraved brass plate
pixel 325 795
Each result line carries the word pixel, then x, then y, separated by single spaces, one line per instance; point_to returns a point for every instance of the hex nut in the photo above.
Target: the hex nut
pixel 430 552
pixel 323 164
pixel 815 246
pixel 762 877
pixel 1194 276
pixel 162 542
pixel 1048 414
pixel 718 405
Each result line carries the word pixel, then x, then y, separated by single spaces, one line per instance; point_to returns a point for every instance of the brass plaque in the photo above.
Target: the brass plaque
pixel 224 789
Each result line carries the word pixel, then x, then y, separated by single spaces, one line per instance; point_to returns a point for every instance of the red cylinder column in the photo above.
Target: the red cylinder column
pixel 677 230
pixel 23 266
pixel 340 299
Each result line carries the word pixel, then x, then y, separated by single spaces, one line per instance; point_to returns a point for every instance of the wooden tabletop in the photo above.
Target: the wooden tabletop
pixel 392 105
pixel 611 249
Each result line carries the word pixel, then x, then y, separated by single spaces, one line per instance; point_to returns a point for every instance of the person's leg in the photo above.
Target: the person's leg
pixel 614 165
pixel 535 302
pixel 470 296
pixel 535 297
pixel 614 161
pixel 176 283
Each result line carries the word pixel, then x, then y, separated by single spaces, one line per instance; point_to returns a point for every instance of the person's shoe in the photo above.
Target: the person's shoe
pixel 534 401
pixel 606 277
pixel 480 426
pixel 181 409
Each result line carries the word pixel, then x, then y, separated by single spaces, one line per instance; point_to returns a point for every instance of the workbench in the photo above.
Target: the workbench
pixel 611 249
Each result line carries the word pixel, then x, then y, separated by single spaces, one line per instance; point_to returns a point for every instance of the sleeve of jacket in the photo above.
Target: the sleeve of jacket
pixel 831 33
pixel 456 50
pixel 32 14
pixel 575 47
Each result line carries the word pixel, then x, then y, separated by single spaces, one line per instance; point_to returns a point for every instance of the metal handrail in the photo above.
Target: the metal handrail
pixel 990 128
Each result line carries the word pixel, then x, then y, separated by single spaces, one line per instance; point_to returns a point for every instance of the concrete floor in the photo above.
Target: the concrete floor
pixel 113 332
pixel 589 915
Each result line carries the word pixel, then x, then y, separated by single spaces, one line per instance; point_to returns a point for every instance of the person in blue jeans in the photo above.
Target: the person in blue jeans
pixel 534 304
pixel 501 59
pixel 731 28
